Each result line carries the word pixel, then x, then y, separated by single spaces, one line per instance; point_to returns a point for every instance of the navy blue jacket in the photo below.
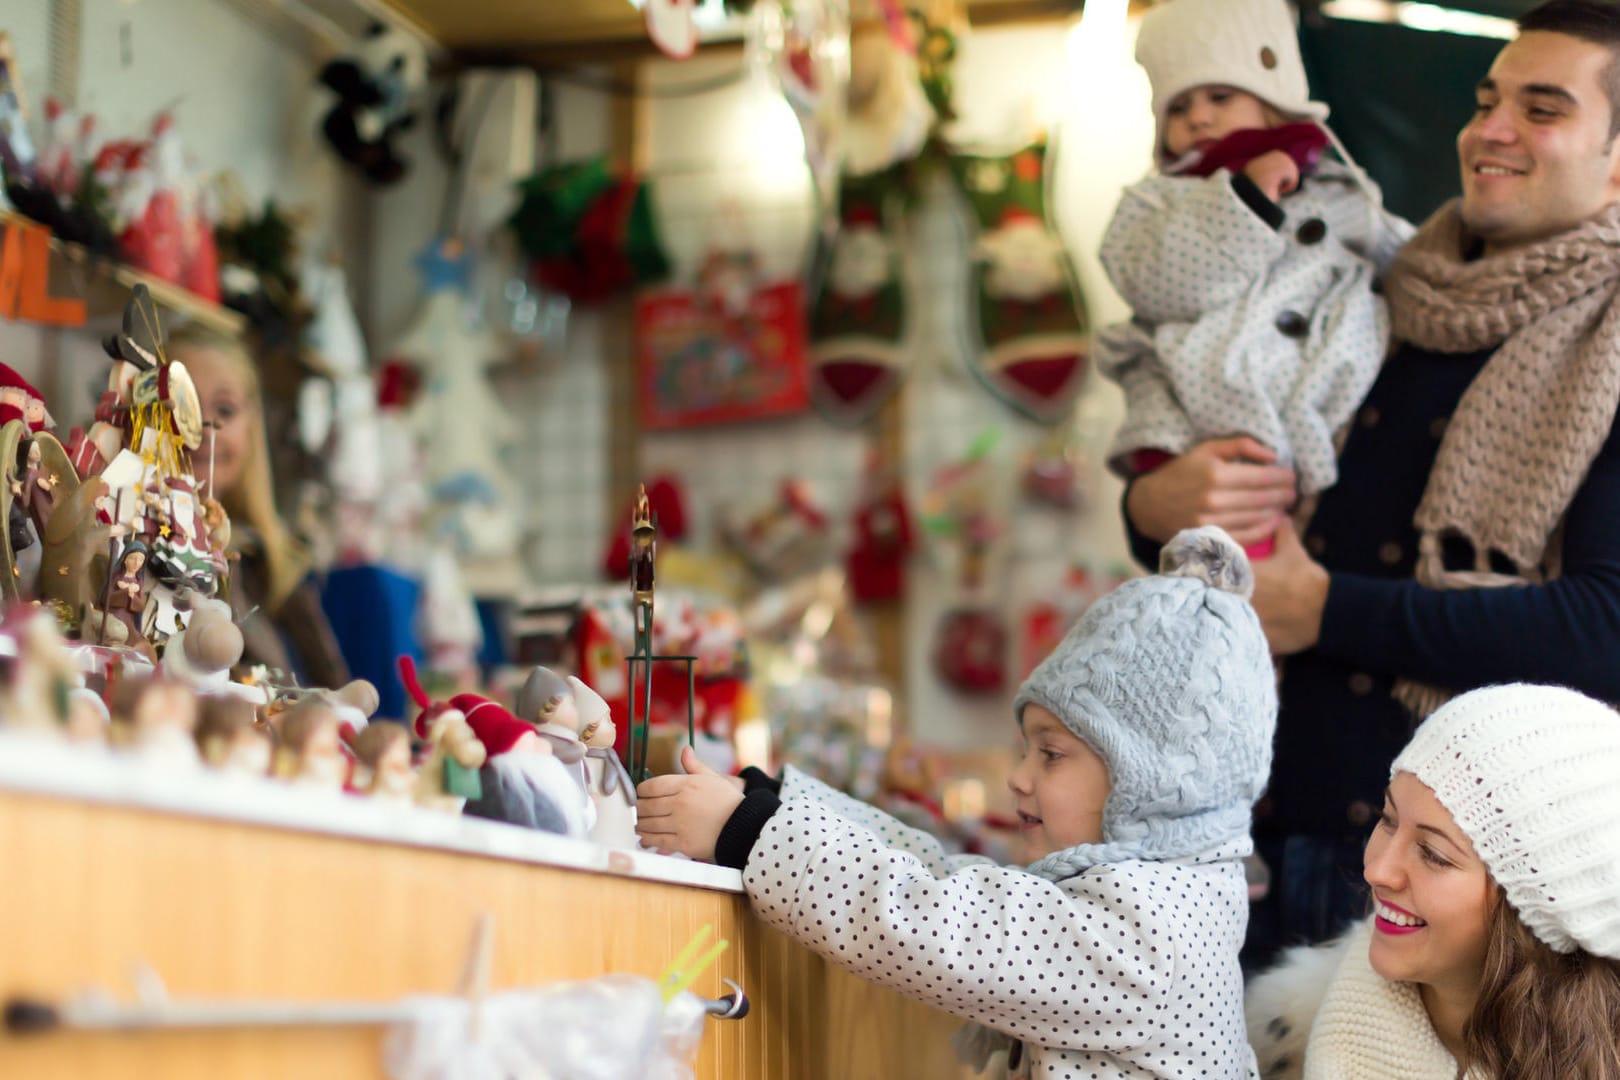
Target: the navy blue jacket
pixel 1338 728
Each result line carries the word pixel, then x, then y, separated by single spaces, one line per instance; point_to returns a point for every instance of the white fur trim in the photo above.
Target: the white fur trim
pixel 1280 1006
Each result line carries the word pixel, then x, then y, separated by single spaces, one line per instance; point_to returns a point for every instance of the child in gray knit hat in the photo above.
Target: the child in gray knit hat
pixel 1114 953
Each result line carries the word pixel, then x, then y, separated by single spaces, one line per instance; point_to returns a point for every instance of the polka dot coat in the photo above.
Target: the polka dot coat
pixel 1244 326
pixel 1128 970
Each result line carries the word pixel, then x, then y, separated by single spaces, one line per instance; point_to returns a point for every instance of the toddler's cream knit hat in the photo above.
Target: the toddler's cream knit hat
pixel 1532 775
pixel 1247 44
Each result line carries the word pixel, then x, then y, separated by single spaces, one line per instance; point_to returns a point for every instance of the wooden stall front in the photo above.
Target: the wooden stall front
pixel 101 869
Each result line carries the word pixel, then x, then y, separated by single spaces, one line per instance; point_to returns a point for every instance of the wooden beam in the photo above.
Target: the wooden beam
pixel 574 54
pixel 629 146
pixel 628 41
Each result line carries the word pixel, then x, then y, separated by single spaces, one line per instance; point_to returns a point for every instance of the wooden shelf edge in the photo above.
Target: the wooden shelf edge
pixel 123 278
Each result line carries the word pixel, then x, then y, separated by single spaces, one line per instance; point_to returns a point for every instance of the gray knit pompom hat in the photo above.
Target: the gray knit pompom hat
pixel 1169 678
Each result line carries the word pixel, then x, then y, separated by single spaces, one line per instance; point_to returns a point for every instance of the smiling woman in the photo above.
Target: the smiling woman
pixel 1493 949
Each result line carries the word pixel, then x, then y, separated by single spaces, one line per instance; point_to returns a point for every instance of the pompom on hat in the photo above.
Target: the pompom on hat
pixel 1250 45
pixel 1169 679
pixel 1531 774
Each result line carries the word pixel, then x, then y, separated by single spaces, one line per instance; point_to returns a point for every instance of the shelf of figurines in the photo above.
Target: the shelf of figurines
pixel 106 285
pixel 50 766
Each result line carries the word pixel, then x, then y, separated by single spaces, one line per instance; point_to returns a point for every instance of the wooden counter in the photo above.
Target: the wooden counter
pixel 103 865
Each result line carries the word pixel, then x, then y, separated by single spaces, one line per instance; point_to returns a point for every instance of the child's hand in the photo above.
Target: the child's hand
pixel 1274 173
pixel 686 813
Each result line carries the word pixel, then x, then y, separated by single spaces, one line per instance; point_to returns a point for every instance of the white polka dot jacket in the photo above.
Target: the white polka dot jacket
pixel 1323 1013
pixel 1129 969
pixel 1249 317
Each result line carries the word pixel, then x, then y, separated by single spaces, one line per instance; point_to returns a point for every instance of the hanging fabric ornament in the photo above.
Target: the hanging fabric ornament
pixel 964 509
pixel 672 28
pixel 804 46
pixel 589 232
pixel 1027 320
pixel 876 563
pixel 858 317
pixel 889 116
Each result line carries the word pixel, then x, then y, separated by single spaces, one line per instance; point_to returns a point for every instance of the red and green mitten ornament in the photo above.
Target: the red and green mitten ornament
pixel 858 317
pixel 1027 320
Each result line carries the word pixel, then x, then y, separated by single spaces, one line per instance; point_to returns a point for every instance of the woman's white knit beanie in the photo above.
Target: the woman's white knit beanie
pixel 1532 775
pixel 1247 44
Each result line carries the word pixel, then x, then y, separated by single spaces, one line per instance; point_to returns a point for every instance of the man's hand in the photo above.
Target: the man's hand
pixel 1290 592
pixel 685 814
pixel 1234 483
pixel 1274 173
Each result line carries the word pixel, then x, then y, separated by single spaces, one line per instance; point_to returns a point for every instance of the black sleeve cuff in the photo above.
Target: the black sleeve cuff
pixel 1247 190
pixel 736 840
pixel 756 779
pixel 1143 549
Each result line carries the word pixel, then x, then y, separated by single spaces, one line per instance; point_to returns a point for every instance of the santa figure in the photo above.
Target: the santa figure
pixel 58 163
pixel 863 258
pixel 876 563
pixel 20 401
pixel 1025 259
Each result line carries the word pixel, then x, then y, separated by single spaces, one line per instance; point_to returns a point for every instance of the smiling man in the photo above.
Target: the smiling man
pixel 1474 534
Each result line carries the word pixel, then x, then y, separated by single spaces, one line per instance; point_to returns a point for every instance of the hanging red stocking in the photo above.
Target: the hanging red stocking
pixel 1027 320
pixel 858 319
pixel 876 562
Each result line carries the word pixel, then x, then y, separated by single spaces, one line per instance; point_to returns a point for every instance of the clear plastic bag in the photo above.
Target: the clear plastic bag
pixel 613 1028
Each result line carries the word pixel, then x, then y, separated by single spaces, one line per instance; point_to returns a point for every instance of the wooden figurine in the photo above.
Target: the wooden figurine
pixel 229 740
pixel 547 701
pixel 70 536
pixel 158 719
pixel 355 702
pixel 110 428
pixel 643 552
pixel 523 781
pixel 87 718
pixel 449 776
pixel 204 652
pixel 35 490
pixel 311 751
pixel 35 694
pixel 125 594
pixel 383 751
pixel 609 782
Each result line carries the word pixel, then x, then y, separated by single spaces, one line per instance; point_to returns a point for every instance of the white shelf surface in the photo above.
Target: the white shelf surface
pixel 48 767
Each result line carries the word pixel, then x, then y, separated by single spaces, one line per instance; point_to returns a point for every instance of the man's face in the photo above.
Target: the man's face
pixel 1537 158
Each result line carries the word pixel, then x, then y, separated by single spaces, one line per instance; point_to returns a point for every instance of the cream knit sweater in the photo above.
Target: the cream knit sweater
pixel 1363 1027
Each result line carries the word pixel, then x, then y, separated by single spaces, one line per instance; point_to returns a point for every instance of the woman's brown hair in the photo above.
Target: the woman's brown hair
pixel 1542 1014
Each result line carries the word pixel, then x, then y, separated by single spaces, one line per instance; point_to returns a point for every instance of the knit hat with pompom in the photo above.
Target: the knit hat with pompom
pixel 1169 679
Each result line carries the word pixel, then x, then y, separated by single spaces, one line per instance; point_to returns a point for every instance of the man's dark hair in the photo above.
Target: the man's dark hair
pixel 1596 21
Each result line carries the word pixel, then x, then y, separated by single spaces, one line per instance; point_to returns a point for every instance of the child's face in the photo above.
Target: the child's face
pixel 1061 785
pixel 1205 115
pixel 1424 871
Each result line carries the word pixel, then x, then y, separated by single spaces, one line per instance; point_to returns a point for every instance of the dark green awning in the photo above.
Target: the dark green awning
pixel 1398 98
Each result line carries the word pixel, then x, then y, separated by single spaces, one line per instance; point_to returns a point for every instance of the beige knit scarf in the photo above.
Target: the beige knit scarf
pixel 1528 427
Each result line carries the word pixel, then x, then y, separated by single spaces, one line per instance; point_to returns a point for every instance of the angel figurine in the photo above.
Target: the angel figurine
pixel 35 490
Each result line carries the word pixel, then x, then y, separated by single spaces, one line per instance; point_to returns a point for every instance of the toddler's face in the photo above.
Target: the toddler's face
pixel 1205 115
pixel 1061 785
